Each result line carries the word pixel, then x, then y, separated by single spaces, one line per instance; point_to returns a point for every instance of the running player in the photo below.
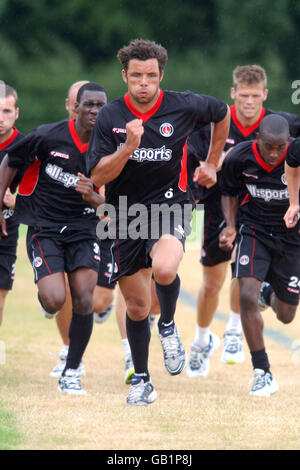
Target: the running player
pixel 138 149
pixel 64 317
pixel 266 249
pixel 249 92
pixel 59 243
pixel 9 135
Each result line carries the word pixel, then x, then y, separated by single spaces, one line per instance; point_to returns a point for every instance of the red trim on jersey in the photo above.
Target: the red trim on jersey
pixel 182 184
pixel 246 130
pixel 246 199
pixel 143 116
pixel 81 147
pixel 8 141
pixel 261 161
pixel 30 179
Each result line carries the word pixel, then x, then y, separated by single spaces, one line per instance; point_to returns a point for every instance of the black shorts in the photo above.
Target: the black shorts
pixel 214 223
pixel 272 258
pixel 7 271
pixel 106 265
pixel 129 255
pixel 62 249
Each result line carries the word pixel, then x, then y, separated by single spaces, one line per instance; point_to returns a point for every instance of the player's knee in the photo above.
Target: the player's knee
pixel 211 288
pixel 164 275
pixel 137 309
pixel 286 314
pixel 248 302
pixel 102 302
pixel 83 303
pixel 52 302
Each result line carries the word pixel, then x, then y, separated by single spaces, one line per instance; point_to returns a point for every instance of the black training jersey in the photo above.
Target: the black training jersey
pixel 8 213
pixel 156 172
pixel 267 193
pixel 55 155
pixel 200 140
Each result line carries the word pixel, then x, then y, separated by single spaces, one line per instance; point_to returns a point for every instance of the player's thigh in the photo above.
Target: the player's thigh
pixel 52 289
pixel 214 277
pixel 102 298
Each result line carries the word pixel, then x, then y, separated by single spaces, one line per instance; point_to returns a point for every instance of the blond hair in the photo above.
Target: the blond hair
pixel 249 75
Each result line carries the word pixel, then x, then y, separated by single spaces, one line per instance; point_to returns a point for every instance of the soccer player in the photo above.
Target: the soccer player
pixel 64 317
pixel 64 238
pixel 138 150
pixel 266 249
pixel 249 92
pixel 9 135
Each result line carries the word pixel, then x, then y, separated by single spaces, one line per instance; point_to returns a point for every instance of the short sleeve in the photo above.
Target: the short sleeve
pixel 293 154
pixel 23 152
pixel 208 109
pixel 230 181
pixel 101 141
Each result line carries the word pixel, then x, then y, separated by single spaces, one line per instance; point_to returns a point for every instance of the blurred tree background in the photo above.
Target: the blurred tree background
pixel 45 45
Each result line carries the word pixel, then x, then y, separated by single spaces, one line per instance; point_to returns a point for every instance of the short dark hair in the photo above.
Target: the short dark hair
pixel 143 50
pixel 10 91
pixel 274 124
pixel 91 86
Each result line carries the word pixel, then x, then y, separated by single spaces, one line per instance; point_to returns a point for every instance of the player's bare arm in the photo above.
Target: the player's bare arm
pixel 7 175
pixel 293 182
pixel 111 166
pixel 228 234
pixel 206 173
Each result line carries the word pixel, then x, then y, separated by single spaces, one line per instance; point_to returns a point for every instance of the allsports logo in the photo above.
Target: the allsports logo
pixel 267 194
pixel 56 173
pixel 166 129
pixel 162 154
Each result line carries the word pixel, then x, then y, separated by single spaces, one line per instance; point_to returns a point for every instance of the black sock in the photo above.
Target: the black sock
pixel 167 296
pixel 80 332
pixel 260 360
pixel 138 334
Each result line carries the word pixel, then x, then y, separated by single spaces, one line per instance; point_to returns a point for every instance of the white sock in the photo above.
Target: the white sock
pixel 126 347
pixel 202 336
pixel 234 322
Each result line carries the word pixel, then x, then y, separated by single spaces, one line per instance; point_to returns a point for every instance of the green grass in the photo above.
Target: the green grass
pixel 10 436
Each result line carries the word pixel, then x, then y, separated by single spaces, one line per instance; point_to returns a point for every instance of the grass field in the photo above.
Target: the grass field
pixel 211 413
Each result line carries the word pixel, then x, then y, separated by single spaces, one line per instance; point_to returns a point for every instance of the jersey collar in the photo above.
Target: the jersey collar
pixel 246 130
pixel 144 116
pixel 261 161
pixel 81 147
pixel 8 141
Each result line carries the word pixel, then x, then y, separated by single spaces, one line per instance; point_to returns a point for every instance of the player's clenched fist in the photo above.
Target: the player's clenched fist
pixel 227 238
pixel 134 132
